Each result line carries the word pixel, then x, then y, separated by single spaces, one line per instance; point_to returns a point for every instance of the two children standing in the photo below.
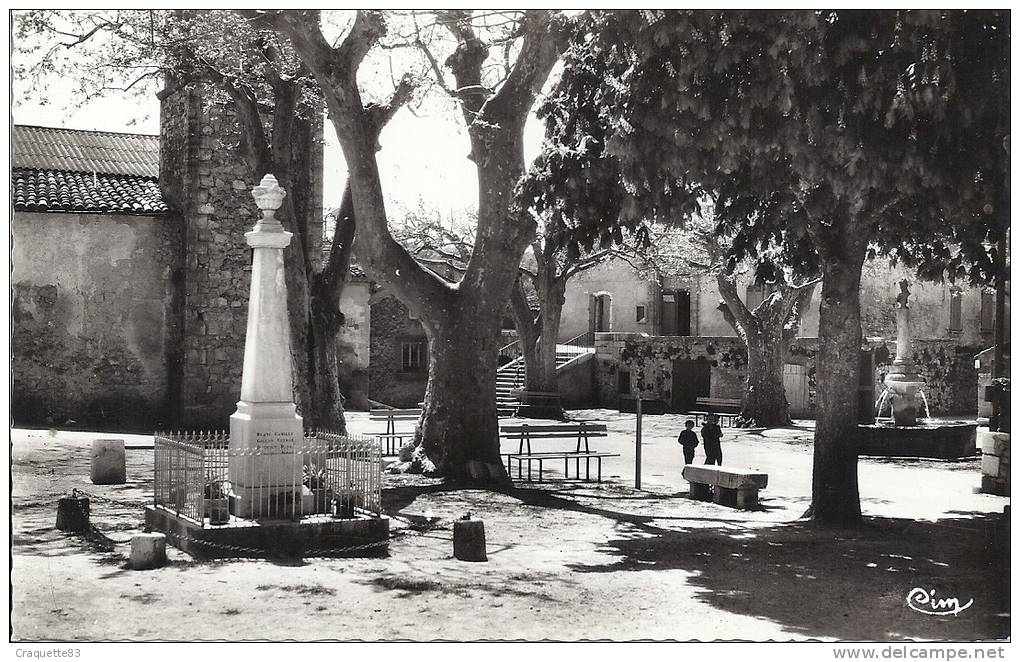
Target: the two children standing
pixel 711 433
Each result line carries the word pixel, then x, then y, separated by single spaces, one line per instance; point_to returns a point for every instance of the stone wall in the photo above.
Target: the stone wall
pixel 93 298
pixel 649 362
pixel 994 461
pixel 948 369
pixel 391 326
pixel 206 181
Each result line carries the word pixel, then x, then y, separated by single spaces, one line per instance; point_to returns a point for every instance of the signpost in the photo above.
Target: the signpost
pixel 637 450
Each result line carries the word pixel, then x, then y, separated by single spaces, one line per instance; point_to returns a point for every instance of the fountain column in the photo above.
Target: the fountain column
pixel 903 380
pixel 264 471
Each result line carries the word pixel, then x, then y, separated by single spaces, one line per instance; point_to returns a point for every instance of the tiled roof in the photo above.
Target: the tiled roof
pixel 79 192
pixel 45 148
pixel 66 170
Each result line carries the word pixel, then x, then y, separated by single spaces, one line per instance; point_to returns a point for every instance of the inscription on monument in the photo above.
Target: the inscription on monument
pixel 275 441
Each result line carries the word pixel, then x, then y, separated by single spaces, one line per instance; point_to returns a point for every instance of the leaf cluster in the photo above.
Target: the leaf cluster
pixel 810 130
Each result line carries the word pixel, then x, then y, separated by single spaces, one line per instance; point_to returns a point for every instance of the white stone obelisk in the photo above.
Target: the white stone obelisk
pixel 264 469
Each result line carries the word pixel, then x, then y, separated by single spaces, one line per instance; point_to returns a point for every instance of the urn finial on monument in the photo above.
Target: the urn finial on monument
pixel 269 197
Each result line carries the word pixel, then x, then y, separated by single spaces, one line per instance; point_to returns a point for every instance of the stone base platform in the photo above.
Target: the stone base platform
pixel 310 536
pixel 994 462
pixel 945 441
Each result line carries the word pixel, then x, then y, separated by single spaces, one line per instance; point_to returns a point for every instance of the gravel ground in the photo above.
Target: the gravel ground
pixel 568 561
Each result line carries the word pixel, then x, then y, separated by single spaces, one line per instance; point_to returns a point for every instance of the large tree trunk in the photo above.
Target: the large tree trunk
pixel 541 357
pixel 835 497
pixel 766 332
pixel 765 403
pixel 459 431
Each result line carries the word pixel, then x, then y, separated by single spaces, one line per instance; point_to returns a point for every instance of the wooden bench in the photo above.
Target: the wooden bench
pixel 392 437
pixel 726 409
pixel 737 488
pixel 581 432
pixel 521 458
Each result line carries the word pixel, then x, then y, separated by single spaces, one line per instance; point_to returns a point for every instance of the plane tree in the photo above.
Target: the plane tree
pixel 458 430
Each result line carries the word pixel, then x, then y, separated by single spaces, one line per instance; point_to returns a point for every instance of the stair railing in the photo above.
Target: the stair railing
pixel 511 351
pixel 584 341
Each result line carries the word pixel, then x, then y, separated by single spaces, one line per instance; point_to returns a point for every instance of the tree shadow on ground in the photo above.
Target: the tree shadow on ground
pixel 823 582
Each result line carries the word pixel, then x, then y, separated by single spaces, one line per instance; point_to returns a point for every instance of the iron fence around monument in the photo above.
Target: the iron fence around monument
pixel 333 475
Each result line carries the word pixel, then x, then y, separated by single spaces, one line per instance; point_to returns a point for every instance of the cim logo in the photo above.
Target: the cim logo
pixel 925 602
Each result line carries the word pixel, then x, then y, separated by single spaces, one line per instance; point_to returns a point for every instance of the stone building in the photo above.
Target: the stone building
pixel 131 276
pixel 131 270
pixel 96 280
pixel 667 339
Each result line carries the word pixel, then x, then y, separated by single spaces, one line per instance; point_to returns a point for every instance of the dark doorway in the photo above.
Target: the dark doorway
pixel 691 380
pixel 676 313
pixel 602 305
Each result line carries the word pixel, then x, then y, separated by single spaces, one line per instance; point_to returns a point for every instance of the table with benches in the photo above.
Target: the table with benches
pixel 394 438
pixel 580 432
pixel 737 488
pixel 726 409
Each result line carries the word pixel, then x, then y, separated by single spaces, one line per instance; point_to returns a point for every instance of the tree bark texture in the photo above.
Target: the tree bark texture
pixel 765 403
pixel 835 496
pixel 460 397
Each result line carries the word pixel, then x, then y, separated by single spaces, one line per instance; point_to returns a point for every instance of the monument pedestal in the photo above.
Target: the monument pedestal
pixel 264 466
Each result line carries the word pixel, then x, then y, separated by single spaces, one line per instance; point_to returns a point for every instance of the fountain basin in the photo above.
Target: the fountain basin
pixel 940 439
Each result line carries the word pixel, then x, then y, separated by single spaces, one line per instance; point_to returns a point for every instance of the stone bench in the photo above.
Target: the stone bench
pixel 737 488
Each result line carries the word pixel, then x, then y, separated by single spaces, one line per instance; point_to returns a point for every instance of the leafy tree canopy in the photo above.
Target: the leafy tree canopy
pixel 793 120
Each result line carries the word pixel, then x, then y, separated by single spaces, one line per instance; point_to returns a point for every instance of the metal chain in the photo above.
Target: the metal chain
pixel 107 541
pixel 98 497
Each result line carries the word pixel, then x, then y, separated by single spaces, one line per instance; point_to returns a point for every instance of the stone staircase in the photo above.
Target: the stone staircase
pixel 511 376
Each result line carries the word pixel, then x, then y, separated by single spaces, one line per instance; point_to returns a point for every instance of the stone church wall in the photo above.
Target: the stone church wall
pixel 93 298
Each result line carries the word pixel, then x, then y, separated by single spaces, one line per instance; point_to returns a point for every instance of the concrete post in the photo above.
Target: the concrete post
pixel 108 462
pixel 148 550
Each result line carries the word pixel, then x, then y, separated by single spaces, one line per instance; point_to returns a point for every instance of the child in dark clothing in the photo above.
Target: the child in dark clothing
pixel 711 433
pixel 689 440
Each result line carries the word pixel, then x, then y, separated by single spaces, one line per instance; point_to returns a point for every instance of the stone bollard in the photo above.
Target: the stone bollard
pixel 108 462
pixel 469 540
pixel 148 550
pixel 73 514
